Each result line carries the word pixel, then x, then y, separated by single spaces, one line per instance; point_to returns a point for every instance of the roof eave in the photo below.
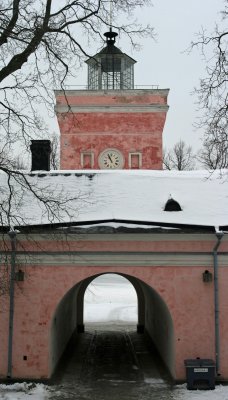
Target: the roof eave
pixel 53 226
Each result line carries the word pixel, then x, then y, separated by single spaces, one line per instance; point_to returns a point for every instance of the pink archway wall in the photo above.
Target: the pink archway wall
pixel 177 291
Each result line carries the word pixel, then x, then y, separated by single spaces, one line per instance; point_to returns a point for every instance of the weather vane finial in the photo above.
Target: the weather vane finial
pixel 110 36
pixel 110 17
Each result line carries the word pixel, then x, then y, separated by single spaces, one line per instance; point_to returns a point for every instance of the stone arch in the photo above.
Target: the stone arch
pixel 154 318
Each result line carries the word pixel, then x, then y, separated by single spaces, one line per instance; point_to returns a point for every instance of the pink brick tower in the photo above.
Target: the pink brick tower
pixel 111 125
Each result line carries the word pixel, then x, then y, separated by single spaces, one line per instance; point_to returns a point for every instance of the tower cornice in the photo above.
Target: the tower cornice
pixel 95 93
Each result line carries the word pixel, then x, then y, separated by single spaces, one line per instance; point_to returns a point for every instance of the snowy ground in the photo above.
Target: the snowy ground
pixel 116 304
pixel 23 391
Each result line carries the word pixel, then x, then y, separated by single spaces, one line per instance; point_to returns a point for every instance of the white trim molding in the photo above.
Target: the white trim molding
pixel 87 153
pixel 135 154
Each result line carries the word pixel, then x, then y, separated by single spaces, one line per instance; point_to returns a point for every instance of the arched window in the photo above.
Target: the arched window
pixel 172 205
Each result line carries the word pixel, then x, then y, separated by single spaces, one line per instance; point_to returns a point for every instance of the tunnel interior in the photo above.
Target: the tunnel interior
pixel 153 320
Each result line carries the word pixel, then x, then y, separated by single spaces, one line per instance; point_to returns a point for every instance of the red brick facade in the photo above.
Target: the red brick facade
pixel 130 121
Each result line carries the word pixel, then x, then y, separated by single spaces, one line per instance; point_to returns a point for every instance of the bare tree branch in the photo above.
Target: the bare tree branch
pixel 212 92
pixel 41 47
pixel 180 157
pixel 214 154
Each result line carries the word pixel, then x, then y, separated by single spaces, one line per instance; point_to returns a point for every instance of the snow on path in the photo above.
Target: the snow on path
pixel 24 391
pixel 220 393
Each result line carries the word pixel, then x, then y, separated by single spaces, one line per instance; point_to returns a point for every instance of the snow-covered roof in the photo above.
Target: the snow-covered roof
pixel 137 195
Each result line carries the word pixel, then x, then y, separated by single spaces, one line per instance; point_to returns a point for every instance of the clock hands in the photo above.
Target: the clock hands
pixel 111 159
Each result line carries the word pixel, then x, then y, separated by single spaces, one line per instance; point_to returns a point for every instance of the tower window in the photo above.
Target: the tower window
pixel 135 160
pixel 87 159
pixel 172 205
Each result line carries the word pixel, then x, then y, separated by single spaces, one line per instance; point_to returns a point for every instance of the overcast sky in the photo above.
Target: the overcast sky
pixel 167 64
pixel 164 62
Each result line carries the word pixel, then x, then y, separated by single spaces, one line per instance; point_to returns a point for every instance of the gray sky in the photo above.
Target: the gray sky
pixel 164 62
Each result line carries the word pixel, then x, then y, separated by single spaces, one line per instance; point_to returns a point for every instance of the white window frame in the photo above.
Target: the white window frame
pixel 135 153
pixel 87 153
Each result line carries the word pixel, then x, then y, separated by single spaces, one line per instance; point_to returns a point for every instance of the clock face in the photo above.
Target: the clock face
pixel 111 159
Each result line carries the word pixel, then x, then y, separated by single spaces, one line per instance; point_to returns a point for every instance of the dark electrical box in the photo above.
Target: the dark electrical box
pixel 200 373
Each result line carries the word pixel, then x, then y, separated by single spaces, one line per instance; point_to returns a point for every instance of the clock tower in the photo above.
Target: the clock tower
pixel 111 124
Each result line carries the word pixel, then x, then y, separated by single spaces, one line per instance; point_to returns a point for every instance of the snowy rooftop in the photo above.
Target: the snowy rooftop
pixel 136 196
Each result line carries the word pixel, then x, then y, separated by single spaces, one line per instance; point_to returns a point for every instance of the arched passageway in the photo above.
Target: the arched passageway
pixel 140 301
pixel 110 300
pixel 154 319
